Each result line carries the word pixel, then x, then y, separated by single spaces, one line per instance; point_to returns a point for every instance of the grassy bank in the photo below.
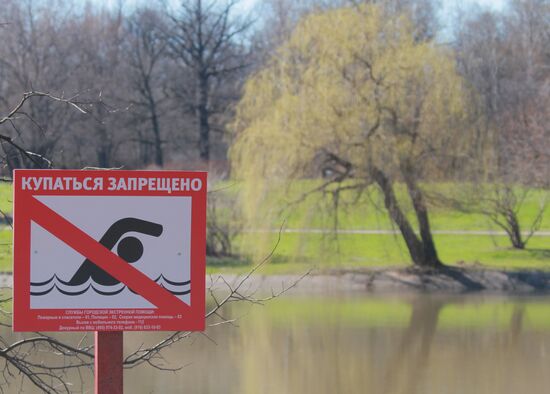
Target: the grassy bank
pixel 5 197
pixel 366 210
pixel 5 250
pixel 298 252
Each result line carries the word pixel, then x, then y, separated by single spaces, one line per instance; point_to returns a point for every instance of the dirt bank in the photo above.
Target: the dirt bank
pixel 448 280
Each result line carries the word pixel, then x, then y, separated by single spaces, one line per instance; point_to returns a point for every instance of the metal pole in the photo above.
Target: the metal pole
pixel 108 362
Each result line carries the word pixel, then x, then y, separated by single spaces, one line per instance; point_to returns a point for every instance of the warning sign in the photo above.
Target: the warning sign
pixel 109 250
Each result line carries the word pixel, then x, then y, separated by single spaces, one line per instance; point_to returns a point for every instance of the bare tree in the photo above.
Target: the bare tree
pixel 204 38
pixel 223 223
pixel 146 51
pixel 160 95
pixel 11 145
pixel 423 14
pixel 505 58
pixel 35 56
pixel 99 34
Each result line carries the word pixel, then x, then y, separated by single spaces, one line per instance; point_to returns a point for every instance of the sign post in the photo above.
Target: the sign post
pixel 108 362
pixel 109 251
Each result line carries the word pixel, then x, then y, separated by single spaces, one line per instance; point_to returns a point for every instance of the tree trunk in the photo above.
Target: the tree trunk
pixel 144 147
pixel 159 159
pixel 422 251
pixel 12 156
pixel 202 118
pixel 152 104
pixel 417 198
pixel 514 230
pixel 102 149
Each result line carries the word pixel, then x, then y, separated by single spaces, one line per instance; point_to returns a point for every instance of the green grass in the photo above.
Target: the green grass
pixel 297 253
pixel 300 252
pixel 5 251
pixel 366 211
pixel 6 203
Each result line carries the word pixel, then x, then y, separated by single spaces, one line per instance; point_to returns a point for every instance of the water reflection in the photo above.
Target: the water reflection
pixel 418 344
pixel 406 370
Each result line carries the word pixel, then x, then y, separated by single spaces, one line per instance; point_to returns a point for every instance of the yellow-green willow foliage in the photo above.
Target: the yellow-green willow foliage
pixel 351 82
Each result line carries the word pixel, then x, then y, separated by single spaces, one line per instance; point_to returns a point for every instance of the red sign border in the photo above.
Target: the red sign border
pixel 189 318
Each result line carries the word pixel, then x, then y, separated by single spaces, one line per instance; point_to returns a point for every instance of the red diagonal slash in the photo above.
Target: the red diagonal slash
pixel 105 259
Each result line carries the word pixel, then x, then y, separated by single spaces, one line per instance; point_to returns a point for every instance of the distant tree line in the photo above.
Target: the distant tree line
pixel 160 83
pixel 506 58
pixel 165 80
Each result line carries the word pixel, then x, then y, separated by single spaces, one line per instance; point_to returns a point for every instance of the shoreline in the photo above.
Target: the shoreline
pixel 449 280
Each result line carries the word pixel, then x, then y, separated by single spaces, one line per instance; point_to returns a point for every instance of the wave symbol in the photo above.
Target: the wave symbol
pixel 45 287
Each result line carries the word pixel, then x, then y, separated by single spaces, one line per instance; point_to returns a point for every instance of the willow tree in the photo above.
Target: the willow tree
pixel 354 98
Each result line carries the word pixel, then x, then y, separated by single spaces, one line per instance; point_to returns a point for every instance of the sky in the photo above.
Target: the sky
pixel 450 6
pixel 494 4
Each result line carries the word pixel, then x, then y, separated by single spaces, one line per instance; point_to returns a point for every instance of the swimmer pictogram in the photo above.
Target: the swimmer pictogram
pixel 90 276
pixel 130 249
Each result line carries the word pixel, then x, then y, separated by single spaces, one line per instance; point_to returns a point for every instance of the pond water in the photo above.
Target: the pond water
pixel 358 344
